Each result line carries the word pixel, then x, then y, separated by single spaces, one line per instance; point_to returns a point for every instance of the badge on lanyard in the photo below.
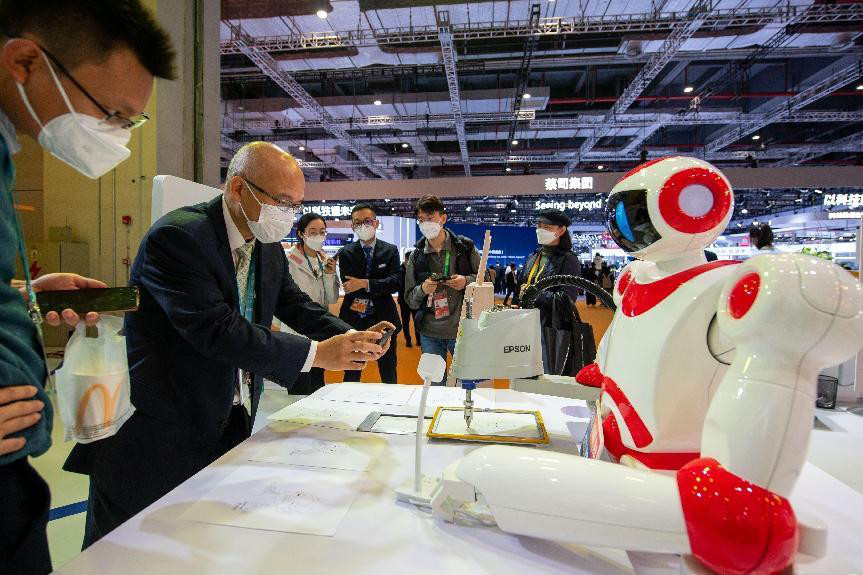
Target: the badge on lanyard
pixel 440 304
pixel 360 305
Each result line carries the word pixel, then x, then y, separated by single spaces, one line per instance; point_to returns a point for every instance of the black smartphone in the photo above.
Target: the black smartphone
pixel 82 301
pixel 386 336
pixel 437 277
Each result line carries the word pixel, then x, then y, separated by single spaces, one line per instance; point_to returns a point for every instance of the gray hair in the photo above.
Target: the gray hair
pixel 244 161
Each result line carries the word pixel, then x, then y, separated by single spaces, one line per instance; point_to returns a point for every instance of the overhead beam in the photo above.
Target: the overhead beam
pixel 803 98
pixel 854 142
pixel 630 120
pixel 522 77
pixel 605 24
pixel 271 68
pixel 450 58
pixel 679 34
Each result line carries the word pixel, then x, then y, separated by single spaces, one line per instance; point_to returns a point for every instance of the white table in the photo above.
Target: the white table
pixel 382 537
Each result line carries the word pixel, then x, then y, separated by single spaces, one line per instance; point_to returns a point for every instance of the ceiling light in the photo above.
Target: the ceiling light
pixel 302 148
pixel 513 211
pixel 818 192
pixel 377 102
pixel 744 211
pixel 322 14
pixel 756 137
pixel 859 87
pixel 404 145
pixel 240 108
pixel 526 96
pixel 599 167
pixel 467 209
pixel 688 89
pixel 515 142
pixel 508 169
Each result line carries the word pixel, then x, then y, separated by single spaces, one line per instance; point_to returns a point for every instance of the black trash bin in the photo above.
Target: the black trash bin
pixel 828 387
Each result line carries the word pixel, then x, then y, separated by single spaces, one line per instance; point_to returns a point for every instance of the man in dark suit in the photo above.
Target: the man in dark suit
pixel 201 341
pixel 371 274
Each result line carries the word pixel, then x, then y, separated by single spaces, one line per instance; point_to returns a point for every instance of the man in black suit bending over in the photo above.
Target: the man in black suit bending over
pixel 212 276
pixel 371 274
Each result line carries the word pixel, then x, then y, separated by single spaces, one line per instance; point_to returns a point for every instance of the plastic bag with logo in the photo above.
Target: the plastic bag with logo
pixel 93 384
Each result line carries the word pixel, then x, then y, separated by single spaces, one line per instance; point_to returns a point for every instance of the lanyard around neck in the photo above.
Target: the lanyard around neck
pixel 311 269
pixel 247 306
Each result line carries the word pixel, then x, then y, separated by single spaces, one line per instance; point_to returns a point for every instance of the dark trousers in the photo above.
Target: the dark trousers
pixel 510 292
pixel 112 504
pixel 23 538
pixel 407 315
pixel 386 367
pixel 308 383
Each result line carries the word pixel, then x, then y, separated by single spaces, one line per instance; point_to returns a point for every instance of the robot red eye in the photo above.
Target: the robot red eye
pixel 695 200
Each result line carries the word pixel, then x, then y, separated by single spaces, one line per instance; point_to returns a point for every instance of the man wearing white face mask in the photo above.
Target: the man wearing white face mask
pixel 212 277
pixel 371 274
pixel 75 75
pixel 436 274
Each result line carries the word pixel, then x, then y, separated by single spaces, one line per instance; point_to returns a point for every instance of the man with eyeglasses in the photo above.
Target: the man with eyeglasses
pixel 436 274
pixel 371 274
pixel 75 75
pixel 212 277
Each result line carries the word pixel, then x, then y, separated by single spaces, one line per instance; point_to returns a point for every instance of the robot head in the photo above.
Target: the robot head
pixel 668 206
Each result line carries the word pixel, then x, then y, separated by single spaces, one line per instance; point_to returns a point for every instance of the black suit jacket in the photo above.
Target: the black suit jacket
pixel 185 344
pixel 384 280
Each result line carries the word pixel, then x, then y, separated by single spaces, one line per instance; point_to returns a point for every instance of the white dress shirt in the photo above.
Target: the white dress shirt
pixel 235 241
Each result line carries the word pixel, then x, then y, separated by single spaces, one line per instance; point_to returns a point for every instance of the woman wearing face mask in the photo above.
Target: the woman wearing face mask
pixel 554 256
pixel 315 273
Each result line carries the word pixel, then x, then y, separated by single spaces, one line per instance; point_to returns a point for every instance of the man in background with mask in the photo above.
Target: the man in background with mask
pixel 212 276
pixel 436 274
pixel 371 274
pixel 75 75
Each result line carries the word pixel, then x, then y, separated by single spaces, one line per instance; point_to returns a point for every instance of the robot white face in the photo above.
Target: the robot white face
pixel 668 206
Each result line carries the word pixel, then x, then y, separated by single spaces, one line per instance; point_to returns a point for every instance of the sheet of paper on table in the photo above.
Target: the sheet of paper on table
pixel 395 425
pixel 318 412
pixel 488 423
pixel 377 394
pixel 311 446
pixel 452 397
pixel 277 498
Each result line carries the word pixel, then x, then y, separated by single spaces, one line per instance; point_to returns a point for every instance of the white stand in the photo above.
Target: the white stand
pixel 419 490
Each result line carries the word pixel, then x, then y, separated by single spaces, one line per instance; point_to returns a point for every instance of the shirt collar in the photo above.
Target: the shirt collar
pixel 235 238
pixel 7 131
pixel 371 245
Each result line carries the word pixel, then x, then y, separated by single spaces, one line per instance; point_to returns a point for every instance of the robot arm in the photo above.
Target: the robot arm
pixel 788 316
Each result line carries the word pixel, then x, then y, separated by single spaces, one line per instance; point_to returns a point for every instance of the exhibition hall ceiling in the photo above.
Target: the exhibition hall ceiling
pixel 400 89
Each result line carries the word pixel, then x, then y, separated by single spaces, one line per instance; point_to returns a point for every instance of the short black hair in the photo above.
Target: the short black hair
pixel 429 205
pixel 305 220
pixel 761 235
pixel 80 31
pixel 359 207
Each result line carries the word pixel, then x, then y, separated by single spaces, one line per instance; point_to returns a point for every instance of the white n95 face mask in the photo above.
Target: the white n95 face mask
pixel 545 237
pixel 365 233
pixel 430 230
pixel 315 242
pixel 86 143
pixel 273 224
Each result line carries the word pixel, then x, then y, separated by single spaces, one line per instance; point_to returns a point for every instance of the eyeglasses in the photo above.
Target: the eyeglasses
pixel 112 118
pixel 366 222
pixel 283 205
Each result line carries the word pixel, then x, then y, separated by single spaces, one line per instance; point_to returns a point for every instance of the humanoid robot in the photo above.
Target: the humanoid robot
pixel 708 374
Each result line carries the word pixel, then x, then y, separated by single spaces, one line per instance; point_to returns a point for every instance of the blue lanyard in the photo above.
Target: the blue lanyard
pixel 247 307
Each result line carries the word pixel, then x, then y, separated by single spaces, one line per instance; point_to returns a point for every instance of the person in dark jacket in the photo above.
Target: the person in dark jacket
pixel 510 282
pixel 590 272
pixel 554 256
pixel 404 309
pixel 371 274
